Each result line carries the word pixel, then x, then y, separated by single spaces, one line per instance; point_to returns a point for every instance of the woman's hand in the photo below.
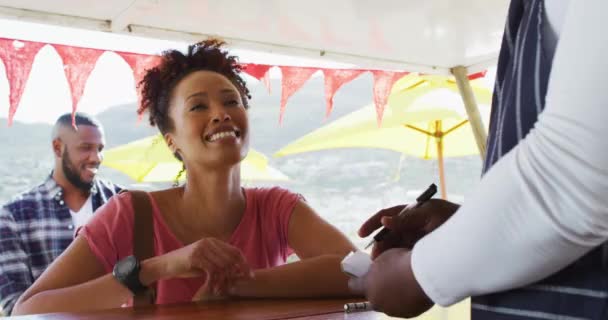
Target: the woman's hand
pixel 214 289
pixel 220 263
pixel 411 227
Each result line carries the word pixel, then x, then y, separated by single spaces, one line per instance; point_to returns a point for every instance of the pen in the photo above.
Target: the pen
pixel 424 197
pixel 357 307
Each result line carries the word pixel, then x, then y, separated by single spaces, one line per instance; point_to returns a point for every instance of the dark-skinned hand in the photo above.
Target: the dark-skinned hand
pixel 411 227
pixel 391 287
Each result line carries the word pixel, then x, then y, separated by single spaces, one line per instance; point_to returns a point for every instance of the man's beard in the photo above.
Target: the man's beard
pixel 71 173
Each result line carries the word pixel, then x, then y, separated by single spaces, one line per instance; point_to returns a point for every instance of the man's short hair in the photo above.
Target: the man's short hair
pixel 81 119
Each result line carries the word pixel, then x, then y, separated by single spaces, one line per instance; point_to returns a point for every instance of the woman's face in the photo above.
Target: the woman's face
pixel 210 124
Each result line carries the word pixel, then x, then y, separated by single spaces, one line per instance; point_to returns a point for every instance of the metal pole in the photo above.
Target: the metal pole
pixel 439 142
pixel 468 98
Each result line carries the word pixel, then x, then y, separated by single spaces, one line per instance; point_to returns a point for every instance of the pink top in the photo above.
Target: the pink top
pixel 261 236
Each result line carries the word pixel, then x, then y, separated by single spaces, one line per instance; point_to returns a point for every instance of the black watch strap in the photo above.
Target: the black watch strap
pixel 126 271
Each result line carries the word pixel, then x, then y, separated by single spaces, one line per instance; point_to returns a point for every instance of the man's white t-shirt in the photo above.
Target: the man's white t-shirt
pixel 83 215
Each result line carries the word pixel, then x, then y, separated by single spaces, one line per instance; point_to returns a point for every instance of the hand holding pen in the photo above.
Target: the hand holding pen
pixel 411 226
pixel 384 281
pixel 424 197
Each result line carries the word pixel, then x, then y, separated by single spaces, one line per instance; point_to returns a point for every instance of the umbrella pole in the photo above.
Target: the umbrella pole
pixel 468 98
pixel 439 142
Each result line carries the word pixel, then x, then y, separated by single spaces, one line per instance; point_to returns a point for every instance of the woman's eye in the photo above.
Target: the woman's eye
pixel 232 102
pixel 197 107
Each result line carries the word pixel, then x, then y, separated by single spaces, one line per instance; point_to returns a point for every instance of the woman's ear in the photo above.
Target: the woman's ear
pixel 171 144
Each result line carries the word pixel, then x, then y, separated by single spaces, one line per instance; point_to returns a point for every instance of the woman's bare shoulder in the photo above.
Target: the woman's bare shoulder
pixel 167 196
pixel 169 192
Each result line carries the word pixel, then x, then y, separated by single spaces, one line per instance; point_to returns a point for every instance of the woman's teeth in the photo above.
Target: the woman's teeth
pixel 221 135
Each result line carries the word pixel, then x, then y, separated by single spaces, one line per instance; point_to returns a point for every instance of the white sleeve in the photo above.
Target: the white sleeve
pixel 545 203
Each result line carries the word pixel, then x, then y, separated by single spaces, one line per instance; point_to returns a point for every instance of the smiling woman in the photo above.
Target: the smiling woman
pixel 212 237
pixel 212 120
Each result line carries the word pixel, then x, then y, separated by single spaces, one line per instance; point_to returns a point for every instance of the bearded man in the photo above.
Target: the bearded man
pixel 38 225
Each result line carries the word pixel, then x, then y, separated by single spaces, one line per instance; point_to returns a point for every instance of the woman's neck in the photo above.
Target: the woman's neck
pixel 213 202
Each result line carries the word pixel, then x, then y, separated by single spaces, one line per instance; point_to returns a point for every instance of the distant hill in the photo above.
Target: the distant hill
pixel 25 156
pixel 122 126
pixel 22 139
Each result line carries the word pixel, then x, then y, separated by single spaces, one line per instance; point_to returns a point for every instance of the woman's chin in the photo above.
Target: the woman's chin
pixel 226 161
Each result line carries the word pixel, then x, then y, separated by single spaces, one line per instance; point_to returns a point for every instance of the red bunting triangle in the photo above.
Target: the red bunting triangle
pixel 258 71
pixel 293 78
pixel 139 63
pixel 334 79
pixel 266 82
pixel 77 65
pixel 17 57
pixel 383 83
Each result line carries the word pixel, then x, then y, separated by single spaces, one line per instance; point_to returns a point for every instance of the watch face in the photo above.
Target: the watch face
pixel 125 266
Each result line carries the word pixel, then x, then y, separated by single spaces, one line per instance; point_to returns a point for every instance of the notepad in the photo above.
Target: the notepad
pixel 356 264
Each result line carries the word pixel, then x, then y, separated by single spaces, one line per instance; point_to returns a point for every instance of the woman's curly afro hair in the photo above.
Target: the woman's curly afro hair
pixel 158 82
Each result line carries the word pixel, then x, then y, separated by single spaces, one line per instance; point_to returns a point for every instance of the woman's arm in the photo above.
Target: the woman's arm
pixel 313 277
pixel 75 281
pixel 320 246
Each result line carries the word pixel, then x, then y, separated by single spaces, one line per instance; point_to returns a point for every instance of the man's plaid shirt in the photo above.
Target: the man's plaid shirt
pixel 35 228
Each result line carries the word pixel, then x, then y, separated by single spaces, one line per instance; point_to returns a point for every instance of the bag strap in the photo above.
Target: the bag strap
pixel 143 240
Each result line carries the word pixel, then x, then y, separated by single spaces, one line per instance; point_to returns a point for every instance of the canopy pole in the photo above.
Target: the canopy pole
pixel 439 142
pixel 468 98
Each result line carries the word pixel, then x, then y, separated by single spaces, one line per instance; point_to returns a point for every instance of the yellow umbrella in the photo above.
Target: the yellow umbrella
pixel 414 123
pixel 150 160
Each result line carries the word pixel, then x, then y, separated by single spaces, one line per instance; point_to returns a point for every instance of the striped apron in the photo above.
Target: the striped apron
pixel 579 291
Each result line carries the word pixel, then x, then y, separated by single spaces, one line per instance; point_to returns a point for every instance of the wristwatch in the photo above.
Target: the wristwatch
pixel 126 271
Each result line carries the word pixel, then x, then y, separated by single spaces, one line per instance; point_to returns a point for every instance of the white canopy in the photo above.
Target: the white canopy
pixel 428 36
pixel 431 36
